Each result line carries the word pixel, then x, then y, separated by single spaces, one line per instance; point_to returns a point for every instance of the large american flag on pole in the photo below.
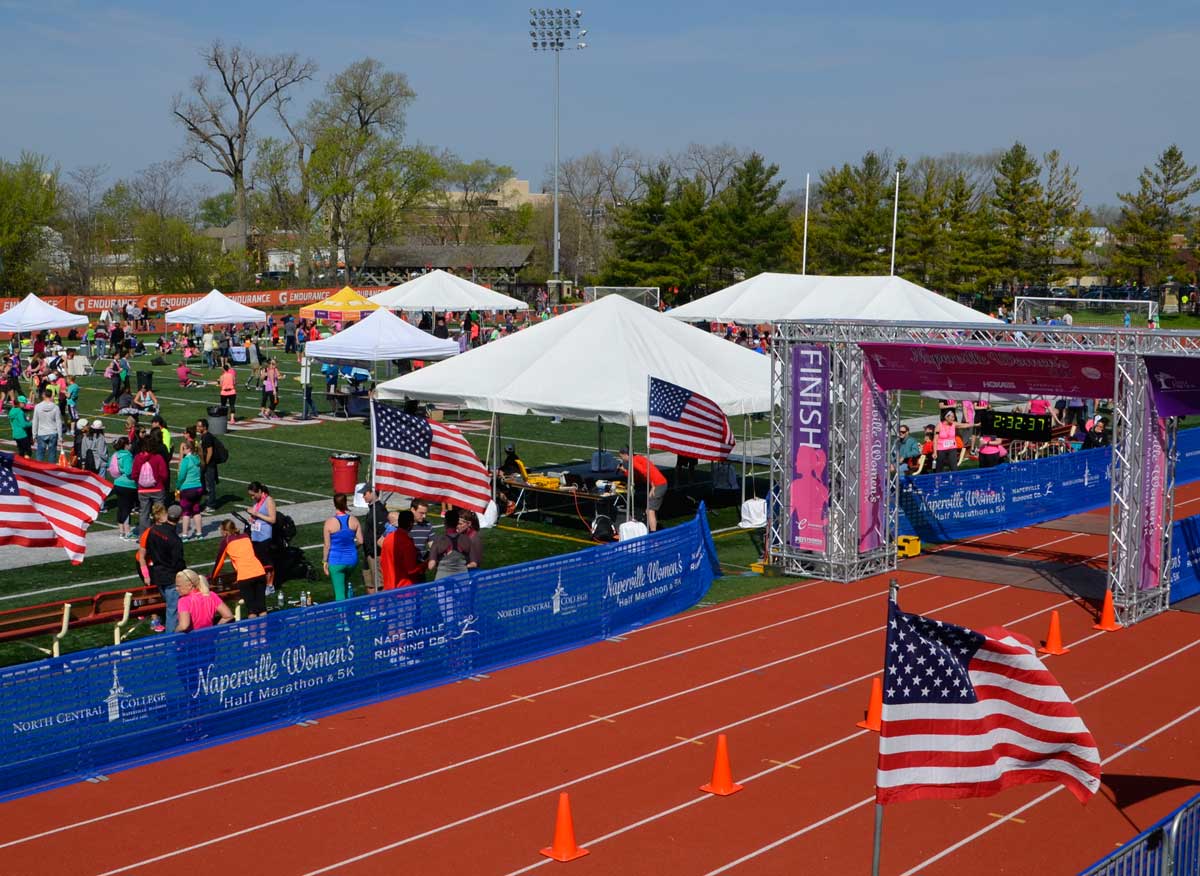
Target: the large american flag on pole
pixel 45 505
pixel 686 422
pixel 416 457
pixel 967 714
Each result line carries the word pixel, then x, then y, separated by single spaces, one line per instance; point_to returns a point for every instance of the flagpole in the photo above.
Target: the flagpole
pixel 804 256
pixel 895 217
pixel 648 463
pixel 893 598
pixel 629 487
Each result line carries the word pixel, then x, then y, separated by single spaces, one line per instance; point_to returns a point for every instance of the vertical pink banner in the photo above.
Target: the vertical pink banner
pixel 872 464
pixel 1154 473
pixel 809 489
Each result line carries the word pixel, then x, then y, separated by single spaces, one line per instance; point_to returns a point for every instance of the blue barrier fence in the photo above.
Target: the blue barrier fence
pixel 1170 847
pixel 91 712
pixel 964 504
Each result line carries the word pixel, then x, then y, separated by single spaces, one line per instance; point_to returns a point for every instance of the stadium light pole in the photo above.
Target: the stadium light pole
pixel 556 30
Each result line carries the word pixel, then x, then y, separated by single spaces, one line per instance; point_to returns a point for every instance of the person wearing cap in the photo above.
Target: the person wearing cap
pixel 1098 436
pixel 160 559
pixel 19 423
pixel 93 448
pixel 650 478
pixel 373 531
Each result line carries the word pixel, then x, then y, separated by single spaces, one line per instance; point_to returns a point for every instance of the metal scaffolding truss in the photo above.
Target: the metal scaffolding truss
pixel 842 561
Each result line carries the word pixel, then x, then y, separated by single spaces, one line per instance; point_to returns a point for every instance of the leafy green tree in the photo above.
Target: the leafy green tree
pixel 970 239
pixel 467 195
pixel 218 211
pixel 641 243
pixel 1153 215
pixel 923 235
pixel 172 258
pixel 29 200
pixel 1018 215
pixel 749 226
pixel 850 224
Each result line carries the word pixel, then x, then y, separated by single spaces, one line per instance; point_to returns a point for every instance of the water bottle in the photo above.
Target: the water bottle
pixel 280 602
pixel 303 598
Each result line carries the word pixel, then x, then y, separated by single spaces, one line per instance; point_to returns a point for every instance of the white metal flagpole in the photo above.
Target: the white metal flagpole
pixel 895 216
pixel 804 255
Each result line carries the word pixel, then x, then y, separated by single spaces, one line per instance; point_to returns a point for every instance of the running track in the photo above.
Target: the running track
pixel 463 779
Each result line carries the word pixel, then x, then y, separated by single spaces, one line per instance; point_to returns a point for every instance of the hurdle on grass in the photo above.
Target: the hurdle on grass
pixel 857 536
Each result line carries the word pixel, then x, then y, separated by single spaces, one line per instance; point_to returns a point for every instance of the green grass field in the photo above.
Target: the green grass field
pixel 293 462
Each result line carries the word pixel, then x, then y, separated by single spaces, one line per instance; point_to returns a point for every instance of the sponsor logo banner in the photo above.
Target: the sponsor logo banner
pixel 96 709
pixel 265 298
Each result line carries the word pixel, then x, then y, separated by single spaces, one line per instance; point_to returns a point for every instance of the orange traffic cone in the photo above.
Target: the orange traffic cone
pixel 1108 616
pixel 874 707
pixel 722 783
pixel 1054 643
pixel 564 848
pixel 62 458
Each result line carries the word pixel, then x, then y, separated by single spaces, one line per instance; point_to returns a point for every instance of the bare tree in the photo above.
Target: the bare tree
pixel 218 121
pixel 83 226
pixel 711 165
pixel 158 190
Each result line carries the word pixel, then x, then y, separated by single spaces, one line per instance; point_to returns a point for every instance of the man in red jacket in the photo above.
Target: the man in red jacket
pixel 399 563
pixel 648 478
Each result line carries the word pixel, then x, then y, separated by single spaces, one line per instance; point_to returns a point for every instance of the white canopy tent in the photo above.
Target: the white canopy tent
pixel 771 297
pixel 441 291
pixel 380 337
pixel 593 361
pixel 215 308
pixel 35 315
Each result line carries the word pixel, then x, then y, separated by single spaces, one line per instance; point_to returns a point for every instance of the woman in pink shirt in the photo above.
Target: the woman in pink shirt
pixel 228 384
pixel 945 442
pixel 198 605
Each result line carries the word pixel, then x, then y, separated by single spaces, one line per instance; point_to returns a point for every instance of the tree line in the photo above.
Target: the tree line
pixel 339 175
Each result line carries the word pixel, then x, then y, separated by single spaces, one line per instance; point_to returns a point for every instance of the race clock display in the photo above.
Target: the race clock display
pixel 1010 424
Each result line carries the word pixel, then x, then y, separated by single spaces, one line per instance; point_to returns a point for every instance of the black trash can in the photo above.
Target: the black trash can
pixel 218 419
pixel 146 379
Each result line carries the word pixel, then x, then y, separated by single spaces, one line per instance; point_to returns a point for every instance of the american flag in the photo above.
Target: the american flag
pixel 967 714
pixel 44 505
pixel 686 422
pixel 417 457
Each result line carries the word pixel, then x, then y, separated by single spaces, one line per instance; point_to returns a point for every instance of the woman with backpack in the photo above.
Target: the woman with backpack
pixel 191 492
pixel 150 473
pixel 93 449
pixel 125 488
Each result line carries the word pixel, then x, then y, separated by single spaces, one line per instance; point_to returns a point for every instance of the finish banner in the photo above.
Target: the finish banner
pixel 69 717
pixel 809 489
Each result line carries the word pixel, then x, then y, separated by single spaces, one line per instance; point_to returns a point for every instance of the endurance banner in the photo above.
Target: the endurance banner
pixel 280 298
pixel 69 717
pixel 809 491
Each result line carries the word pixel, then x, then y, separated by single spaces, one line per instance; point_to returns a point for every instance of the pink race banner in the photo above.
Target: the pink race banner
pixel 872 464
pixel 809 490
pixel 1154 473
pixel 979 370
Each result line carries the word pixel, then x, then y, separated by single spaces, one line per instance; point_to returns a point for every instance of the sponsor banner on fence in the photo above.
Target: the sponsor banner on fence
pixel 809 489
pixel 976 370
pixel 872 464
pixel 268 298
pixel 66 717
pixel 1185 559
pixel 962 504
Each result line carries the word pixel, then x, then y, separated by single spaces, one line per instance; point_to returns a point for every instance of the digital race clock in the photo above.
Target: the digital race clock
pixel 1010 424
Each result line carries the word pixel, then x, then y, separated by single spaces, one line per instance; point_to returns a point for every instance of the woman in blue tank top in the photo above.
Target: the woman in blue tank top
pixel 343 535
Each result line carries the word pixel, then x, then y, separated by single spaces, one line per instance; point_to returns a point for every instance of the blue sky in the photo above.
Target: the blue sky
pixel 808 85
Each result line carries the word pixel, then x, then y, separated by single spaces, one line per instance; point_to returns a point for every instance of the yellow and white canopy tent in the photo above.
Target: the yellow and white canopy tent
pixel 345 306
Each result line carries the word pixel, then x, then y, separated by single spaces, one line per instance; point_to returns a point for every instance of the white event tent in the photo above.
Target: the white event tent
pixel 772 297
pixel 380 337
pixel 215 308
pixel 35 315
pixel 593 362
pixel 442 291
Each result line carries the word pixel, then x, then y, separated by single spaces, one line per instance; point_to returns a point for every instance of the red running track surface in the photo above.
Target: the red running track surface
pixel 464 779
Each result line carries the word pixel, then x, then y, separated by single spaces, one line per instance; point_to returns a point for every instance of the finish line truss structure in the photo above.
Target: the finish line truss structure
pixel 843 561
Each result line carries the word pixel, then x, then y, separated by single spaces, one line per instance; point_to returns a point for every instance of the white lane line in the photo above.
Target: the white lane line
pixel 452 718
pixel 1016 812
pixel 547 736
pixel 868 800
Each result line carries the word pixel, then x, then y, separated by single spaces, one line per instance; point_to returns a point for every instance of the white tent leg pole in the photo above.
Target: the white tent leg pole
pixel 745 450
pixel 629 483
